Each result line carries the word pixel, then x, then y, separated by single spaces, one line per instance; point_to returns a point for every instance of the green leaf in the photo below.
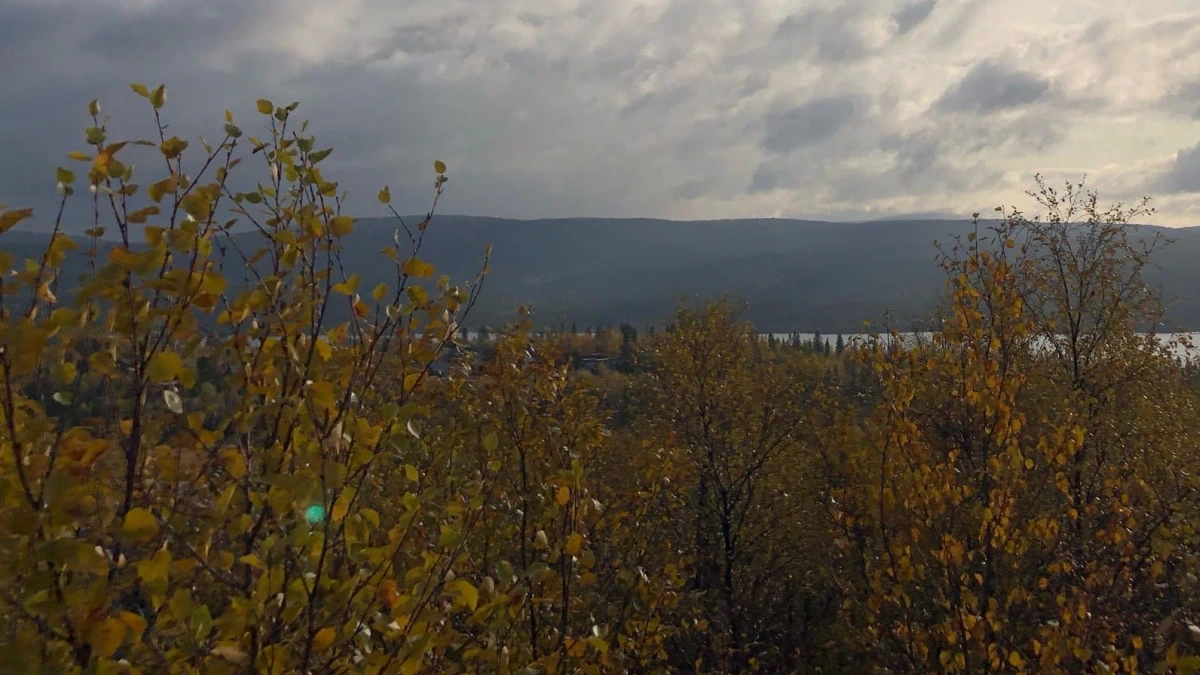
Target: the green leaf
pixel 439 167
pixel 319 155
pixel 265 106
pixel 491 441
pixel 64 176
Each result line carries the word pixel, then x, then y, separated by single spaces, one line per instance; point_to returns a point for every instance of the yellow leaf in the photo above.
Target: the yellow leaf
pixel 136 623
pixel 1137 642
pixel 123 257
pixel 410 381
pixel 322 396
pixel 164 367
pixel 576 648
pixel 196 205
pixel 323 639
pixel 8 219
pixel 410 472
pixel 574 544
pixel 79 156
pixel 139 525
pixel 211 282
pixel 153 236
pixel 158 190
pixel 252 560
pixel 380 291
pixel 563 495
pixel 387 592
pixel 340 226
pixel 464 593
pixel 1014 659
pixel 107 636
pixel 264 106
pixel 340 507
pixel 156 570
pixel 173 147
pixel 231 652
pixel 415 267
pixel 439 167
pixel 418 295
pixel 385 195
pixel 324 350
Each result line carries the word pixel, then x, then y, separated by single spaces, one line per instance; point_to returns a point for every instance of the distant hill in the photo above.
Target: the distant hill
pixel 797 275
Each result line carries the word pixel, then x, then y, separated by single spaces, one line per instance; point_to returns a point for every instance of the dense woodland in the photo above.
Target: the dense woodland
pixel 203 473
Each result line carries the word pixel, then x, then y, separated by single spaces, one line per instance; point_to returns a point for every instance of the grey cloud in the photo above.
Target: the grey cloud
pixel 767 178
pixel 808 123
pixel 695 188
pixel 828 34
pixel 1183 174
pixel 660 101
pixel 912 14
pixel 616 108
pixel 754 83
pixel 420 38
pixel 1185 99
pixel 991 86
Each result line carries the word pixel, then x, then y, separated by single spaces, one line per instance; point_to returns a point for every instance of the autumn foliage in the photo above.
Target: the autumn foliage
pixel 204 468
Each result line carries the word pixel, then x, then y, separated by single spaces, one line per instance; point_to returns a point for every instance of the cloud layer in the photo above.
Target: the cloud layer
pixel 671 108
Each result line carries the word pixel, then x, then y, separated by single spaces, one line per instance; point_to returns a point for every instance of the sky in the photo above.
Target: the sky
pixel 685 109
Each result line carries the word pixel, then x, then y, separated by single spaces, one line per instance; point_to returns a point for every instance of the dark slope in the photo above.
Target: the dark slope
pixel 796 275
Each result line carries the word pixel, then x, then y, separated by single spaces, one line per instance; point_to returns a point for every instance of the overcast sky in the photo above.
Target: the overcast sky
pixel 672 108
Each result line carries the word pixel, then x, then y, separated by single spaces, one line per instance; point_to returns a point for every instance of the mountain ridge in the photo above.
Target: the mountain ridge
pixel 796 275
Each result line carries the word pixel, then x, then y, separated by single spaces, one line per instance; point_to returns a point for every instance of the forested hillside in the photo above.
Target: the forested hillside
pixel 795 275
pixel 232 454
